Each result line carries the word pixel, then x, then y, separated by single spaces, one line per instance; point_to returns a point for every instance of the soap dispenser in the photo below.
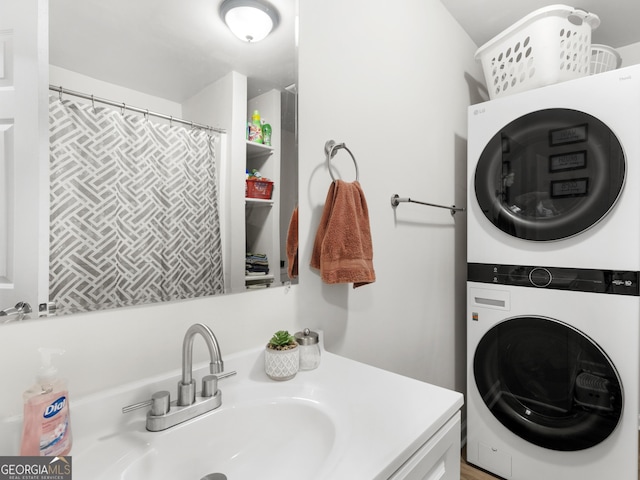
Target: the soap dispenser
pixel 46 426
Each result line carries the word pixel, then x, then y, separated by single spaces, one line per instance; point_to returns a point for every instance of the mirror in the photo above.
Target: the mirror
pixel 164 56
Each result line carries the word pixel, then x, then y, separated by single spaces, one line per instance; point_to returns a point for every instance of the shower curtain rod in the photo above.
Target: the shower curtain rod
pixel 63 91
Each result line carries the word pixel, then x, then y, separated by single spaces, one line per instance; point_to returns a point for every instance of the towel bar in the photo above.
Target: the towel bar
pixel 330 149
pixel 396 200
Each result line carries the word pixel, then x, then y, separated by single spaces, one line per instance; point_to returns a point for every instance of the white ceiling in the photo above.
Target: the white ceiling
pixel 172 51
pixel 167 48
pixel 484 19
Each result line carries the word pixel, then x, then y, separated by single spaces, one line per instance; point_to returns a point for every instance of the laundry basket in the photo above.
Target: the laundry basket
pixel 550 45
pixel 604 59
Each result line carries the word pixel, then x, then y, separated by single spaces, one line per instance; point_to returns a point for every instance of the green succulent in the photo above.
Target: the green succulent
pixel 282 340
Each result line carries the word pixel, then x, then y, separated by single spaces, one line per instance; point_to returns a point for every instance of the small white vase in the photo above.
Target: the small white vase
pixel 281 364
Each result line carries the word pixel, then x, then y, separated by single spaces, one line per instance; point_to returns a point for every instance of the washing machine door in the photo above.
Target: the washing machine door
pixel 548 383
pixel 550 174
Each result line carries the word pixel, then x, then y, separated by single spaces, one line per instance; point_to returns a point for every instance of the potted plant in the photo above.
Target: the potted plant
pixel 281 356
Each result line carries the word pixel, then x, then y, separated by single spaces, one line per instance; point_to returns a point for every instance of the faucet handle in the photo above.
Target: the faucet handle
pixel 226 374
pixel 160 404
pixel 210 383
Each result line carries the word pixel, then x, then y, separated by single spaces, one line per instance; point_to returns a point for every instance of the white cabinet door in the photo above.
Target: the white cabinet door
pixel 24 176
pixel 438 459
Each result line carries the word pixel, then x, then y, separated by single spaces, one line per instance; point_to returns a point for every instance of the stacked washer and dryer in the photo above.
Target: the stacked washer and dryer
pixel 553 302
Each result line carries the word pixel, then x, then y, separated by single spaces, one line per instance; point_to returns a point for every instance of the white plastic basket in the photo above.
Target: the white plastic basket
pixel 550 45
pixel 603 59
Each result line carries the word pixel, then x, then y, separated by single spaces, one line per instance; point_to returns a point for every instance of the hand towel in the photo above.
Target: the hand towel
pixel 292 245
pixel 343 249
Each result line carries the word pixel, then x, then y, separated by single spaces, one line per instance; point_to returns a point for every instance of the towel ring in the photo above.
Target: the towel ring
pixel 330 149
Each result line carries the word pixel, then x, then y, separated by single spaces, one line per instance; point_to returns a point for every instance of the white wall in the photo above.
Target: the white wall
pixel 67 79
pixel 630 54
pixel 393 82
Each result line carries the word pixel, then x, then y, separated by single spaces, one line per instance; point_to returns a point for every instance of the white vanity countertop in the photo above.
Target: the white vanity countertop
pixel 391 416
pixel 377 419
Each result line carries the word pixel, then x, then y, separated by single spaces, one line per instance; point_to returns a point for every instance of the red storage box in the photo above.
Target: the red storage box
pixel 259 188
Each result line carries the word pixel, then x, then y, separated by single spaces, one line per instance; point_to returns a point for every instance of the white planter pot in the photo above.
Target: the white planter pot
pixel 281 364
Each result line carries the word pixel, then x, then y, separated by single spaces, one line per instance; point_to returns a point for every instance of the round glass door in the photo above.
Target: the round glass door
pixel 550 174
pixel 548 383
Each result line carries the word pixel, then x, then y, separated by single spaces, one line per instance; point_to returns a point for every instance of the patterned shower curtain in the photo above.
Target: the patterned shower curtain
pixel 134 213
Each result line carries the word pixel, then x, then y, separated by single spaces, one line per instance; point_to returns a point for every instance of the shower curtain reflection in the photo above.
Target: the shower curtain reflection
pixel 134 210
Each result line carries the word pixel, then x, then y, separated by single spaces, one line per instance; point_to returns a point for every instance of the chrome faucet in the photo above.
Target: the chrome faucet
pixel 164 413
pixel 187 387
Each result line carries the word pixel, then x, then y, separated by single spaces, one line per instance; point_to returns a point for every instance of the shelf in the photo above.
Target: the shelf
pixel 258 149
pixel 262 215
pixel 258 202
pixel 259 278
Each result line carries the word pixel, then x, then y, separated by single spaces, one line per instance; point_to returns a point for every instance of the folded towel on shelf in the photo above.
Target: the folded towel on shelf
pixel 343 250
pixel 251 269
pixel 256 262
pixel 292 245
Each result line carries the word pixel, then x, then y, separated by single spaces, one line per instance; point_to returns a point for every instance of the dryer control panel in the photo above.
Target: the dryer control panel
pixel 616 282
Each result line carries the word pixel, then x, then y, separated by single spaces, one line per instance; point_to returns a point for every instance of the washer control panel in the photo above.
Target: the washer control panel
pixel 616 282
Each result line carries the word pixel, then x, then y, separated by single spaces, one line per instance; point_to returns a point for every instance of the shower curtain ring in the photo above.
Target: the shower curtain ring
pixel 60 94
pixel 124 107
pixel 171 121
pixel 146 115
pixel 93 103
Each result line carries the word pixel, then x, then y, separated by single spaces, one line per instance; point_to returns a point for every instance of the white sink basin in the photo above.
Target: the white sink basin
pixel 279 440
pixel 342 420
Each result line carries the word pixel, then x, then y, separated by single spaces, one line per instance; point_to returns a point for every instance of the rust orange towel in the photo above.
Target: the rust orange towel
pixel 292 245
pixel 343 250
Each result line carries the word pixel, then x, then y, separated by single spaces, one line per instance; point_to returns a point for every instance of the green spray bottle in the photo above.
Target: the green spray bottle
pixel 266 133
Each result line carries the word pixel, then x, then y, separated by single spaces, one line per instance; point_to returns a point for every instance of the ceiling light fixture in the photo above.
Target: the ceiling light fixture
pixel 249 20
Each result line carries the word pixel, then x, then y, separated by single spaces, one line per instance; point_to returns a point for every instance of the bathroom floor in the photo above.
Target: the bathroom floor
pixel 469 472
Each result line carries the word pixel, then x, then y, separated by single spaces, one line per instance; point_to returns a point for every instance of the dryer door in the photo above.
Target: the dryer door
pixel 548 383
pixel 550 174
